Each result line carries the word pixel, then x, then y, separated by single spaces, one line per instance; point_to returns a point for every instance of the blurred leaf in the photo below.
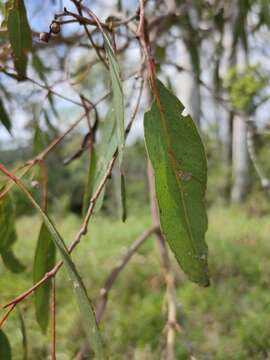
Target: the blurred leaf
pixel 38 141
pixel 52 104
pixel 43 262
pixel 20 36
pixel 120 193
pixel 240 24
pixel 8 234
pixel 11 262
pixel 4 117
pixel 5 349
pixel 24 334
pixel 90 180
pixel 85 306
pixel 39 67
pixel 118 99
pixel 177 154
pixel 53 130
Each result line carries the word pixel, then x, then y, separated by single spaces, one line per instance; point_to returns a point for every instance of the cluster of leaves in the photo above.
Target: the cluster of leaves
pixel 246 88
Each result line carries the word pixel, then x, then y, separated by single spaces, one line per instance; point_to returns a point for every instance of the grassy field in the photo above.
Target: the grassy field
pixel 229 320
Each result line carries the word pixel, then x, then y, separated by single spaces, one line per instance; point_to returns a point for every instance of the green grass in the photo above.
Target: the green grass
pixel 229 320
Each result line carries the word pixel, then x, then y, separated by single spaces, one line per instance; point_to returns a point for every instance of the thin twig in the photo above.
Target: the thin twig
pixel 109 282
pixel 104 291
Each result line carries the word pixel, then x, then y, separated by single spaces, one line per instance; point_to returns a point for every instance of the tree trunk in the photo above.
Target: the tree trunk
pixel 227 155
pixel 240 159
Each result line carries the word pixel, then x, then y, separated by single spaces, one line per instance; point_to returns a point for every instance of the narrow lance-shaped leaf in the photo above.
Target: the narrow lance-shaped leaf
pixel 180 170
pixel 4 117
pixel 120 193
pixel 8 235
pixel 118 99
pixel 105 150
pixel 24 334
pixel 5 349
pixel 90 180
pixel 43 262
pixel 85 306
pixel 20 36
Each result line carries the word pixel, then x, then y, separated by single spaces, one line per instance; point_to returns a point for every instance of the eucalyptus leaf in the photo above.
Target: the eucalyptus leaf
pixel 5 349
pixel 4 117
pixel 105 150
pixel 118 99
pixel 43 262
pixel 11 262
pixel 8 235
pixel 90 180
pixel 20 36
pixel 24 334
pixel 178 158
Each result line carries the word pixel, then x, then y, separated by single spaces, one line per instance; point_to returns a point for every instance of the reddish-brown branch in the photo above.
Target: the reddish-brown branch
pixel 4 318
pixel 77 238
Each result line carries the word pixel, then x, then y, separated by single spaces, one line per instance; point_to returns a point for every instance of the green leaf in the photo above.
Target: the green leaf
pixel 20 36
pixel 38 140
pixel 5 349
pixel 180 170
pixel 11 262
pixel 118 99
pixel 8 234
pixel 105 151
pixel 43 262
pixel 39 67
pixel 4 117
pixel 24 334
pixel 90 180
pixel 120 193
pixel 87 313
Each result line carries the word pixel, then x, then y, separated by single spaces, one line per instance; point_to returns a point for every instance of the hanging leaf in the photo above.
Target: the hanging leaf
pixel 8 235
pixel 39 67
pixel 118 99
pixel 5 349
pixel 178 159
pixel 84 303
pixel 24 334
pixel 105 150
pixel 43 262
pixel 120 193
pixel 11 262
pixel 20 36
pixel 4 117
pixel 90 180
pixel 38 140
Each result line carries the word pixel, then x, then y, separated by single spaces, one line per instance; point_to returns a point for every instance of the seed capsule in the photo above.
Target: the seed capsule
pixel 55 27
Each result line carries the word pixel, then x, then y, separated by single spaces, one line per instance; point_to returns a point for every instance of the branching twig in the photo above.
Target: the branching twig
pixel 104 291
